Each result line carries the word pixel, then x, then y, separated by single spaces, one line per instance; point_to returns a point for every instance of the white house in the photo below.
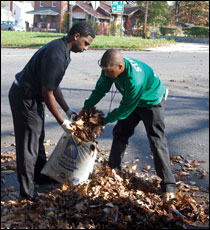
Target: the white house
pixel 19 10
pixel 6 15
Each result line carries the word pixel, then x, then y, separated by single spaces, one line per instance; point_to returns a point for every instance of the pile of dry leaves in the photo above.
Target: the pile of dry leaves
pixel 107 201
pixel 89 125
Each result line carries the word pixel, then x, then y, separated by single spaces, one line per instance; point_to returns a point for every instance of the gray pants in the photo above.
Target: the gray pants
pixel 153 119
pixel 28 119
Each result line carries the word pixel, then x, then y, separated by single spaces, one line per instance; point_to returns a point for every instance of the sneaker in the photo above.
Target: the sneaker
pixel 118 173
pixel 168 196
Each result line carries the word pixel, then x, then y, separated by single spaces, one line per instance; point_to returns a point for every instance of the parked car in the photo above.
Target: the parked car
pixel 12 26
pixel 19 28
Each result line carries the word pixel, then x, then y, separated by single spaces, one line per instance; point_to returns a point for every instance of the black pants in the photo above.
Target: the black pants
pixel 28 119
pixel 153 119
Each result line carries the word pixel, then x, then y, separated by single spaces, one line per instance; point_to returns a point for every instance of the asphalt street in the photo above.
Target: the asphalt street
pixel 183 68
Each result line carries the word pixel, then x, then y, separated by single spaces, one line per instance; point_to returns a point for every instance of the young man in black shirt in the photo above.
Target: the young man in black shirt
pixel 38 84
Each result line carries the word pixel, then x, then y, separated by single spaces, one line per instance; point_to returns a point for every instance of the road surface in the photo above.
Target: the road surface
pixel 183 68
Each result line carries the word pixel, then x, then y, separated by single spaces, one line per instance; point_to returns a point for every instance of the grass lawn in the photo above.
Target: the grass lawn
pixel 37 39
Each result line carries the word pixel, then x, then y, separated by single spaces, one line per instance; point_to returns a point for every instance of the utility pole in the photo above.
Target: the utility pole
pixel 177 11
pixel 110 24
pixel 121 24
pixel 69 16
pixel 145 19
pixel 95 14
pixel 68 10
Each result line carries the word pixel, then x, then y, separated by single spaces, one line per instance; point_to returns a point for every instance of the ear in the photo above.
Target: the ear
pixel 120 66
pixel 76 36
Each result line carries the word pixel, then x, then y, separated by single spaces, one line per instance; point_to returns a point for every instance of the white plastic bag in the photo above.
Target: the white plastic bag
pixel 71 161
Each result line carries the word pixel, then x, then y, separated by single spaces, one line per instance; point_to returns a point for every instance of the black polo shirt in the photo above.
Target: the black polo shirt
pixel 46 67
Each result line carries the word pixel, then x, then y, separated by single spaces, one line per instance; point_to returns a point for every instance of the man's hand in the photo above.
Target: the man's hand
pixel 71 113
pixel 66 125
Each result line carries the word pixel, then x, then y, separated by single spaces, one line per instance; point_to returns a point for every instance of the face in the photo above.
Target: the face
pixel 81 44
pixel 113 72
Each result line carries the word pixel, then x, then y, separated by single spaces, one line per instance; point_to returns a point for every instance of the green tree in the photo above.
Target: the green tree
pixel 157 11
pixel 194 12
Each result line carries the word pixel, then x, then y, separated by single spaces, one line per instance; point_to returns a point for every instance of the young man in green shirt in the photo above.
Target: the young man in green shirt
pixel 143 96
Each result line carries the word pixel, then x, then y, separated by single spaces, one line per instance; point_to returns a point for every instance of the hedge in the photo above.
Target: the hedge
pixel 197 31
pixel 165 30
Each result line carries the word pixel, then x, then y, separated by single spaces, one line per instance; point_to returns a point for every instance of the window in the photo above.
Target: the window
pixel 52 24
pixel 41 3
pixel 135 21
pixel 43 19
pixel 53 3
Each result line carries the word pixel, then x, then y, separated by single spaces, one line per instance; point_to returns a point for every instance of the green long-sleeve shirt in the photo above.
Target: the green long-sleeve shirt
pixel 139 85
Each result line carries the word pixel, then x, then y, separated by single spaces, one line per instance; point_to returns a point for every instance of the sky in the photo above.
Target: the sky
pixel 170 3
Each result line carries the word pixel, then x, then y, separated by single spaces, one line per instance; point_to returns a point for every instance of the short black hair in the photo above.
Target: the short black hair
pixel 83 28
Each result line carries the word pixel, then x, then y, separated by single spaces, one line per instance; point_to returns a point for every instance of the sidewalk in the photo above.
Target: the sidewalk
pixel 181 46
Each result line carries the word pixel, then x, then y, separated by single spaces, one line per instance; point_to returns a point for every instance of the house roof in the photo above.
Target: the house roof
pixel 107 8
pixel 89 10
pixel 44 11
pixel 129 9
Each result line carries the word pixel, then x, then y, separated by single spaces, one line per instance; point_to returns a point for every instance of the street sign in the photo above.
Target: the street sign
pixel 72 3
pixel 117 6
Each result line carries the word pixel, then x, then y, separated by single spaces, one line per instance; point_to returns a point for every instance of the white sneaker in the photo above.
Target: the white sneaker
pixel 118 174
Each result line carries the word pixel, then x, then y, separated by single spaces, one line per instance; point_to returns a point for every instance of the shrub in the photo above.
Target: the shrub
pixel 64 23
pixel 197 31
pixel 112 29
pixel 166 30
pixel 138 33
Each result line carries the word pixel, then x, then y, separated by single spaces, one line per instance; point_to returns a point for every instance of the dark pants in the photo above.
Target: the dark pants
pixel 153 119
pixel 28 119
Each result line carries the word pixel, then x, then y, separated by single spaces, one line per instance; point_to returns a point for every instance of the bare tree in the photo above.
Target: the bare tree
pixel 145 19
pixel 177 9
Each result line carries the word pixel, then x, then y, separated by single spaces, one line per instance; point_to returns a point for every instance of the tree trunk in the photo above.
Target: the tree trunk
pixel 177 11
pixel 145 19
pixel 70 17
pixel 68 10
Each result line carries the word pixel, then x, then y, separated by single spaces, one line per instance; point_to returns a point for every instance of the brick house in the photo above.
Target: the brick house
pixel 48 15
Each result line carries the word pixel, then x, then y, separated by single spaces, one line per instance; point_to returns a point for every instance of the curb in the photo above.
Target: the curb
pixel 38 47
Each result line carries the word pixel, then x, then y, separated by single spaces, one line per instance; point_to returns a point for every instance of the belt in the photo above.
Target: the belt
pixel 28 92
pixel 17 83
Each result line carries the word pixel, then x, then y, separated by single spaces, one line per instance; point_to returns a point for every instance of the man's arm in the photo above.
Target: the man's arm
pixel 129 102
pixel 50 101
pixel 60 99
pixel 103 86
